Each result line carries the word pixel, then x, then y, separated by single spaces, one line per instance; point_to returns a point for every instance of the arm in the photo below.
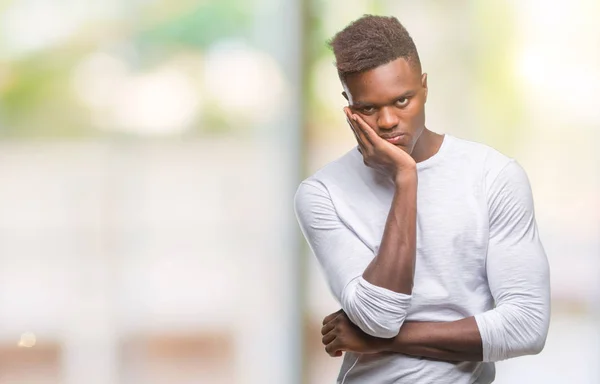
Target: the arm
pixel 344 258
pixel 517 269
pixel 518 277
pixel 373 291
pixel 448 341
pixel 519 282
pixel 390 272
pixel 393 267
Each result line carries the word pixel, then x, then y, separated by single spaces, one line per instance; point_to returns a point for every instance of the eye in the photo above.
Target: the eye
pixel 402 102
pixel 367 110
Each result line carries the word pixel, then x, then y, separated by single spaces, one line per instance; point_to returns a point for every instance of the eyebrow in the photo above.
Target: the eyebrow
pixel 364 104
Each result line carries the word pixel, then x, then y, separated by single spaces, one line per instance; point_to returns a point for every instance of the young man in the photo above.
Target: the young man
pixel 428 242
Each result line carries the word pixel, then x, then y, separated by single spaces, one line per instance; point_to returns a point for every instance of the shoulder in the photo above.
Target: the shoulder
pixel 342 172
pixel 484 154
pixel 489 161
pixel 505 183
pixel 504 179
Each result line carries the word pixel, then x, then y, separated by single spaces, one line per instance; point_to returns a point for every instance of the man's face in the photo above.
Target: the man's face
pixel 391 99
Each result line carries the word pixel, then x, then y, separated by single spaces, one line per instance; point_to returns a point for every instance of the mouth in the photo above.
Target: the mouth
pixel 397 138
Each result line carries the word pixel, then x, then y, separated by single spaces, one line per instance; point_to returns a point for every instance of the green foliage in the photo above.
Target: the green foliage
pixel 200 27
pixel 38 102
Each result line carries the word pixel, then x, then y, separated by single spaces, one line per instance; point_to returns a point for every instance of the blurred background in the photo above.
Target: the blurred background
pixel 150 150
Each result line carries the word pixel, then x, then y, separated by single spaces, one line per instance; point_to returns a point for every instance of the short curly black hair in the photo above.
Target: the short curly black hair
pixel 372 41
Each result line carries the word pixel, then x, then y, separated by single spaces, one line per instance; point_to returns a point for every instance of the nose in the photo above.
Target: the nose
pixel 387 119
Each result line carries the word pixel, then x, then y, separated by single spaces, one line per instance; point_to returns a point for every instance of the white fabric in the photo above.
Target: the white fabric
pixel 376 310
pixel 478 254
pixel 519 324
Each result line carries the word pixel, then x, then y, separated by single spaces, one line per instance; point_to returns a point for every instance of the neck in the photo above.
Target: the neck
pixel 427 145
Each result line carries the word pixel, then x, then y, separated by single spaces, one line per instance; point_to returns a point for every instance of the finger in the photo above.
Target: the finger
pixel 332 316
pixel 361 146
pixel 358 140
pixel 338 354
pixel 360 137
pixel 327 328
pixel 328 338
pixel 329 349
pixel 368 133
pixel 333 348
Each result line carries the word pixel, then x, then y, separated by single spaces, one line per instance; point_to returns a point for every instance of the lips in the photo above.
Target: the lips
pixel 394 139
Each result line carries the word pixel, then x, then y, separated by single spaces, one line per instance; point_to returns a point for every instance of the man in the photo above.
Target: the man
pixel 428 242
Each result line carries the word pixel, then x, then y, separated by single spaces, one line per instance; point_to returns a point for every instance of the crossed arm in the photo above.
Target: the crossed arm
pixel 449 341
pixel 518 279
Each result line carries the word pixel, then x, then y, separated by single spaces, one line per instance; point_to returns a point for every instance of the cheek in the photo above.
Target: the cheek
pixel 415 115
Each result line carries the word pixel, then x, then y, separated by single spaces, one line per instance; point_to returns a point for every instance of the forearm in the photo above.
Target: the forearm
pixel 451 341
pixel 393 267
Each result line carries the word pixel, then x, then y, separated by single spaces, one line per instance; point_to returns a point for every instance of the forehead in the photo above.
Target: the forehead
pixel 385 82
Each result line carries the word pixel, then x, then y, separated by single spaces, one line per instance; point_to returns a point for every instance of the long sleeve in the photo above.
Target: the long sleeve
pixel 517 271
pixel 343 257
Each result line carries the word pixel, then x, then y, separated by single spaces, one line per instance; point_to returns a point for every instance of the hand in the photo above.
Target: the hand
pixel 340 334
pixel 377 152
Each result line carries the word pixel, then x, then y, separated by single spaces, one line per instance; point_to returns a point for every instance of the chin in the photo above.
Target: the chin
pixel 405 148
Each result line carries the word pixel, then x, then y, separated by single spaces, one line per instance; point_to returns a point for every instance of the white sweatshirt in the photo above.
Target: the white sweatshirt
pixel 478 254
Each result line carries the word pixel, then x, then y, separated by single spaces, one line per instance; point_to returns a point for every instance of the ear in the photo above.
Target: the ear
pixel 424 84
pixel 345 95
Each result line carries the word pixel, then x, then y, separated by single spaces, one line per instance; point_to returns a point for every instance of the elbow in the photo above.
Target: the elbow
pixel 510 331
pixel 376 311
pixel 388 332
pixel 538 346
pixel 537 342
pixel 532 345
pixel 377 322
pixel 382 327
pixel 537 331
